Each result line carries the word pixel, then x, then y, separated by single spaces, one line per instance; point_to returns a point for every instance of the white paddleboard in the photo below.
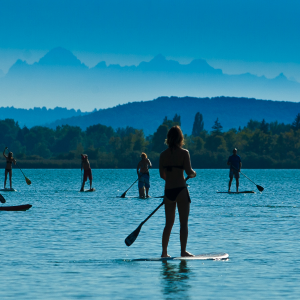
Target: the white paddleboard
pixel 205 256
pixel 8 190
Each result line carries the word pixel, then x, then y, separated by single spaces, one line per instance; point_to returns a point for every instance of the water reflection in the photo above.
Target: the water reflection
pixel 175 279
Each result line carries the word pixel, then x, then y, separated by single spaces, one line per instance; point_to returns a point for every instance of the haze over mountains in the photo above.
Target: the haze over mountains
pixel 60 79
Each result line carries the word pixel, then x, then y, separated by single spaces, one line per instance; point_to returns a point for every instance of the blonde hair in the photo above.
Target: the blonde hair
pixel 144 155
pixel 175 137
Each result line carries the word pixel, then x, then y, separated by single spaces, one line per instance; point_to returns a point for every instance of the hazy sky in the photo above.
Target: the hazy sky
pixel 261 37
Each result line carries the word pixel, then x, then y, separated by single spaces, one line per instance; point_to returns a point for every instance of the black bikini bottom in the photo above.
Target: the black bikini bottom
pixel 172 194
pixel 8 170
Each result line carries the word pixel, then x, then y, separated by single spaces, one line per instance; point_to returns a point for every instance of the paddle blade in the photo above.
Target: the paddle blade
pixel 123 195
pixel 2 200
pixel 260 188
pixel 132 236
pixel 28 181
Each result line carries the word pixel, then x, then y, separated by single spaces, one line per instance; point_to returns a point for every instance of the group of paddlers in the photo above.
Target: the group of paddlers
pixel 172 164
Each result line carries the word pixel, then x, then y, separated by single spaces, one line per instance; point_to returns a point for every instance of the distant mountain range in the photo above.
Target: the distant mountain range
pixel 37 115
pixel 148 115
pixel 60 79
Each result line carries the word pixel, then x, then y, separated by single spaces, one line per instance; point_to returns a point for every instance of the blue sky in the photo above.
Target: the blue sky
pixel 261 37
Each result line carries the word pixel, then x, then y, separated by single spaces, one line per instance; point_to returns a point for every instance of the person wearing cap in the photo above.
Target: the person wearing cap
pixel 235 163
pixel 85 165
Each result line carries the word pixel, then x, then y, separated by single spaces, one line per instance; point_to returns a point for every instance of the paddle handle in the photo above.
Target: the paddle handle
pixel 156 209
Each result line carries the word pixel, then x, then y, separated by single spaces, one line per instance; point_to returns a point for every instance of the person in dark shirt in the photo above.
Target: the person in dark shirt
pixel 235 163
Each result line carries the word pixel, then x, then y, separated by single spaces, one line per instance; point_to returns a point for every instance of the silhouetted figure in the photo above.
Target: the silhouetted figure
pixel 8 169
pixel 87 171
pixel 144 176
pixel 235 163
pixel 173 161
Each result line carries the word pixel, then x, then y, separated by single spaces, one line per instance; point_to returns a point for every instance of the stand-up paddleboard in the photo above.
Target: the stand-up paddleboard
pixel 8 190
pixel 206 256
pixel 243 192
pixel 16 208
pixel 90 190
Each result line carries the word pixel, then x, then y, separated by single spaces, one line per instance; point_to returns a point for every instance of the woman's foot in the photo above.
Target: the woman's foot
pixel 185 253
pixel 165 255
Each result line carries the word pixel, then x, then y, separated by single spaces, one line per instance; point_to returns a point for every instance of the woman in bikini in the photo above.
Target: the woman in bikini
pixel 172 163
pixel 8 169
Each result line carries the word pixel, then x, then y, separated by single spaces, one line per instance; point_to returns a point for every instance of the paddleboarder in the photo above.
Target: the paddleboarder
pixel 173 161
pixel 235 163
pixel 142 170
pixel 8 169
pixel 85 165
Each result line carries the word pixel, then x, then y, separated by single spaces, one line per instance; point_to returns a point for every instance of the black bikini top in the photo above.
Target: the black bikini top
pixel 9 161
pixel 169 168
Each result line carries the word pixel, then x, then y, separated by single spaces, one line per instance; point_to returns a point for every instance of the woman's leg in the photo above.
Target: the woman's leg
pixel 170 208
pixel 183 205
pixel 5 178
pixel 10 175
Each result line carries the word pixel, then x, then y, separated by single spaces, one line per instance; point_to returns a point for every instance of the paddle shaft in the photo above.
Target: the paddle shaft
pixel 21 170
pixel 155 210
pixel 123 195
pixel 243 174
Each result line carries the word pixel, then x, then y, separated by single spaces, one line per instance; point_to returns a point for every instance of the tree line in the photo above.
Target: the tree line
pixel 260 144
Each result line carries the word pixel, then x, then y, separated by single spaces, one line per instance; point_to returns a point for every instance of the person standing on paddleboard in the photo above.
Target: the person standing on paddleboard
pixel 143 174
pixel 8 169
pixel 172 163
pixel 235 163
pixel 85 165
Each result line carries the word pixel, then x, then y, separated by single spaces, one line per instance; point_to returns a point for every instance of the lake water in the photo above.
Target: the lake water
pixel 70 245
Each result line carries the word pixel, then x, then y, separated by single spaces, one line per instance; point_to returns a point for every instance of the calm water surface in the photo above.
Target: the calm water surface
pixel 70 245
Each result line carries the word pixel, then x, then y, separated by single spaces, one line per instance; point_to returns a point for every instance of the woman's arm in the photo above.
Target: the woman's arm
pixel 149 163
pixel 187 165
pixel 4 152
pixel 137 169
pixel 162 171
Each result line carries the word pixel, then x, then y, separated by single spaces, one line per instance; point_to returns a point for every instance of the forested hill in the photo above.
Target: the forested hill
pixel 37 115
pixel 148 115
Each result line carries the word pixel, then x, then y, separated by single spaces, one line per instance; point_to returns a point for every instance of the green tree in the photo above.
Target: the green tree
pixel 176 119
pixel 264 126
pixel 158 140
pixel 253 125
pixel 198 125
pixel 217 127
pixel 215 143
pixel 296 123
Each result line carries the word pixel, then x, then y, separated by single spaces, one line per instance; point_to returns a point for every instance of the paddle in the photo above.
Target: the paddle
pixel 2 200
pixel 132 236
pixel 124 194
pixel 27 180
pixel 260 188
